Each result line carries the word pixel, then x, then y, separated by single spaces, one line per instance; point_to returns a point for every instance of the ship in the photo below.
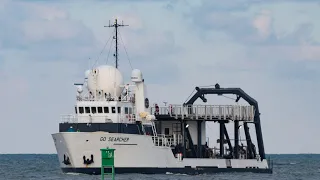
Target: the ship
pixel 155 139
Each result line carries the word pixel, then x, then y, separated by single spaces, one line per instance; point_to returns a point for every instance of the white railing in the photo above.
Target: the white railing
pixel 221 112
pixel 88 118
pixel 175 139
pixel 162 140
pixel 69 118
pixel 102 97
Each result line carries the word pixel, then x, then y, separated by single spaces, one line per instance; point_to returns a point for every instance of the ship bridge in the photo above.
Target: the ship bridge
pixel 205 112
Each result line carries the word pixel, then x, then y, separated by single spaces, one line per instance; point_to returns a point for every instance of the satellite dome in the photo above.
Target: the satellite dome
pixel 87 73
pixel 104 80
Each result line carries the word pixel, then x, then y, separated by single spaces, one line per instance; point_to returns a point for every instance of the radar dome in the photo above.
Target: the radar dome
pixel 105 79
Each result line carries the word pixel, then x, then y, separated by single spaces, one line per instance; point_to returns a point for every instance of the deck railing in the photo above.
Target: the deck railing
pixel 168 141
pixel 223 112
pixel 74 118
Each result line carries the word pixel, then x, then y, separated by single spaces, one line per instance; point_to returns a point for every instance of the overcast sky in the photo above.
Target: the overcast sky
pixel 268 48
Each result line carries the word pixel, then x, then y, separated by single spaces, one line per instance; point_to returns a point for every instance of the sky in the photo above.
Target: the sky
pixel 270 49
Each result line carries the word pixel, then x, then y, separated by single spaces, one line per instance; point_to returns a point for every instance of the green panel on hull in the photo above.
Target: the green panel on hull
pixel 107 157
pixel 107 161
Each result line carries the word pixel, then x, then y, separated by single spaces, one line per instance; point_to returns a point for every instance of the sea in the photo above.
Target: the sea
pixel 46 167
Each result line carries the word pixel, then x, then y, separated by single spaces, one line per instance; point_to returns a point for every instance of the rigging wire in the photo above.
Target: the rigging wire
pixel 220 95
pixel 189 96
pixel 229 97
pixel 125 49
pixel 109 48
pixel 104 47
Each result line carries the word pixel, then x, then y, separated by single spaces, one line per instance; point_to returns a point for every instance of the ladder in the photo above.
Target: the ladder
pixel 153 126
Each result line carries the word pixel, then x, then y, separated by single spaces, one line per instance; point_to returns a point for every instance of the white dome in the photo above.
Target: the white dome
pixel 105 79
pixel 136 76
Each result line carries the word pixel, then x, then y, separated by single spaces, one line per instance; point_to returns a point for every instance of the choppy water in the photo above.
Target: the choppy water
pixel 36 167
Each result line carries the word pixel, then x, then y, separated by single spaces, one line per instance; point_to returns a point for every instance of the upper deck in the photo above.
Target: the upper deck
pixel 175 112
pixel 205 112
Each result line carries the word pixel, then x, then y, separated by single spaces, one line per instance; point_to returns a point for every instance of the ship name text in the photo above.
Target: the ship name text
pixel 115 139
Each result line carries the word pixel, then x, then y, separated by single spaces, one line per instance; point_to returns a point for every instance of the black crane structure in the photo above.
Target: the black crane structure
pixel 116 26
pixel 224 137
pixel 240 94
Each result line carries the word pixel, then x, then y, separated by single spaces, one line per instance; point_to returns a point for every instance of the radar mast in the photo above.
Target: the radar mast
pixel 116 26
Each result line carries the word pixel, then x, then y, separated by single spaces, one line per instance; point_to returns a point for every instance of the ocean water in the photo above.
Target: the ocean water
pixel 38 167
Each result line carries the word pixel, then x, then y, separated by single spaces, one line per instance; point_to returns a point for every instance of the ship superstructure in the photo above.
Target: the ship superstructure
pixel 151 138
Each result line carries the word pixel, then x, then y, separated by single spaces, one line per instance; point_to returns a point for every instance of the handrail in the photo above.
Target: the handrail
pixel 162 140
pixel 223 112
pixel 69 118
pixel 87 97
pixel 74 118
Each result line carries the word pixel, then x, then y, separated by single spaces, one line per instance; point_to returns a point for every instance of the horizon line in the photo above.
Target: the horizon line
pixel 57 154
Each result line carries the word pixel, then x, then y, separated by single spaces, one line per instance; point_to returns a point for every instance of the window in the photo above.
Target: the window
pixel 87 109
pixel 81 110
pixel 106 109
pixel 113 109
pixel 76 109
pixel 166 131
pixel 93 110
pixel 119 110
pixel 126 110
pixel 130 110
pixel 99 109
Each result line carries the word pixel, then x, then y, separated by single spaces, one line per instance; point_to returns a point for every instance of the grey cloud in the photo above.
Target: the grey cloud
pixel 303 33
pixel 242 5
pixel 219 17
pixel 13 35
pixel 239 28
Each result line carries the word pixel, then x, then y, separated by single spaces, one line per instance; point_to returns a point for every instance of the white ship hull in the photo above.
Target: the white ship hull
pixel 138 154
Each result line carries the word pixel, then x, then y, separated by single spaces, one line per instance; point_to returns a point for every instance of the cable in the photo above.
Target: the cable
pixel 102 51
pixel 221 95
pixel 125 49
pixel 109 50
pixel 189 96
pixel 228 97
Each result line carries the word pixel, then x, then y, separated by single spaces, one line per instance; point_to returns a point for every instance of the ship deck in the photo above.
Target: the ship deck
pixel 205 112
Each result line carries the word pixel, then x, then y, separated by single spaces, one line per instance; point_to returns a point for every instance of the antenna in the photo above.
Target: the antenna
pixel 116 25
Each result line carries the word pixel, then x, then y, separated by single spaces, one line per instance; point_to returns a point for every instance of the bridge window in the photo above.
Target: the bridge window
pixel 81 111
pixel 87 109
pixel 119 110
pixel 93 110
pixel 126 110
pixel 113 109
pixel 106 109
pixel 76 109
pixel 99 109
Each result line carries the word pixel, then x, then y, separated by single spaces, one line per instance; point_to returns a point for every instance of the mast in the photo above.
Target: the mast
pixel 116 25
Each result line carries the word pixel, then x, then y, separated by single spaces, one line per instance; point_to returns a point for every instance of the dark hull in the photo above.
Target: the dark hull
pixel 190 171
